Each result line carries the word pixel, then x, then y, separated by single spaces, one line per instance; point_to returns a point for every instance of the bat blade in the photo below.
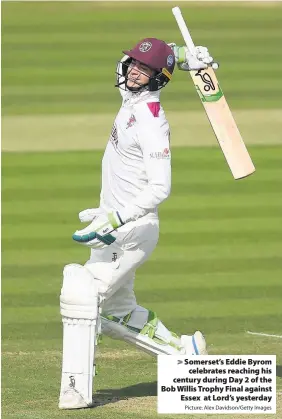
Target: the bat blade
pixel 223 123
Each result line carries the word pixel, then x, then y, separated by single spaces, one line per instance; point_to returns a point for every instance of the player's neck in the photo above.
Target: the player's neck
pixel 132 98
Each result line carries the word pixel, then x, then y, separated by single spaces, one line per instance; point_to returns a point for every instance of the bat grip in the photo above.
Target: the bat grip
pixel 184 30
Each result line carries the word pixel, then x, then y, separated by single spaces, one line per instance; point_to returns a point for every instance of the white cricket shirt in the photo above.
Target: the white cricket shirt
pixel 136 167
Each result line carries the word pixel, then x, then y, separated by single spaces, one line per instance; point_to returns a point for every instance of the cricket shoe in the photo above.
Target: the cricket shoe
pixel 195 344
pixel 72 399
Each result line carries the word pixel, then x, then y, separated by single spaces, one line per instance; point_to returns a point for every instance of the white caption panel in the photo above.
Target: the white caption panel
pixel 217 384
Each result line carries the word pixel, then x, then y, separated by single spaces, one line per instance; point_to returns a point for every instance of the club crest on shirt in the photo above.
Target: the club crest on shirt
pixel 114 136
pixel 164 155
pixel 131 121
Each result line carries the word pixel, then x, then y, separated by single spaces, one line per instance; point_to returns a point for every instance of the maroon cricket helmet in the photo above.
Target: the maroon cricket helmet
pixel 157 55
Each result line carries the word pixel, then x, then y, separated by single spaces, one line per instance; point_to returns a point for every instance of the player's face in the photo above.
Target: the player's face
pixel 138 74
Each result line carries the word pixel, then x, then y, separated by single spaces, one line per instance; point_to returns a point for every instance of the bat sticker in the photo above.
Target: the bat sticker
pixel 206 78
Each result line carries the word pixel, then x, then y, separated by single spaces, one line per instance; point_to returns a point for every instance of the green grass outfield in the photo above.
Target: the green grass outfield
pixel 59 60
pixel 217 268
pixel 218 265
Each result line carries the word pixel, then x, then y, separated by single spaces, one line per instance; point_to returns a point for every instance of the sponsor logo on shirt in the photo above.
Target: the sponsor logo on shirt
pixel 131 121
pixel 165 154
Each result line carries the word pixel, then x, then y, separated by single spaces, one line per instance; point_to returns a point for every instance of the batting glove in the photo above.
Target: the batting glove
pixel 89 214
pixel 198 61
pixel 98 234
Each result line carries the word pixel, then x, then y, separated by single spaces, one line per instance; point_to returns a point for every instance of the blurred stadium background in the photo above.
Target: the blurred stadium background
pixel 218 264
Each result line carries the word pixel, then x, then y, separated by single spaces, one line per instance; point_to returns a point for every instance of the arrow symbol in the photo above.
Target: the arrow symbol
pixel 179 362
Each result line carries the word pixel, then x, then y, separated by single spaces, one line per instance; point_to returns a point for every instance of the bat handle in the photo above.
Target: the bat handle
pixel 184 30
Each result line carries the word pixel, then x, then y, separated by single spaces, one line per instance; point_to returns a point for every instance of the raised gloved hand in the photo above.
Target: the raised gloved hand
pixel 98 234
pixel 198 61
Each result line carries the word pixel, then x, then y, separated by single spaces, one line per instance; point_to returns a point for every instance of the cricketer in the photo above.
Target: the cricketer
pixel 123 232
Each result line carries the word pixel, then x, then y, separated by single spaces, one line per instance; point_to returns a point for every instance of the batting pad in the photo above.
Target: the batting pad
pixel 80 315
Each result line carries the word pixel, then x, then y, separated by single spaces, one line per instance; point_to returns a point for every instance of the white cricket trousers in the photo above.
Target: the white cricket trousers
pixel 114 266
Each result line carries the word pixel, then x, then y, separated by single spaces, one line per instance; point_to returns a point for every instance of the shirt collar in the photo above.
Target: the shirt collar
pixel 131 98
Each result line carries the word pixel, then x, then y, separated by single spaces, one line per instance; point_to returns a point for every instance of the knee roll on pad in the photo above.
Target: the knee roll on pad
pixel 142 328
pixel 79 294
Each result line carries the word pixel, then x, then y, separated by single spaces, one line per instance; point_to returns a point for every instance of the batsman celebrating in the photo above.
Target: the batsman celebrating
pixel 123 232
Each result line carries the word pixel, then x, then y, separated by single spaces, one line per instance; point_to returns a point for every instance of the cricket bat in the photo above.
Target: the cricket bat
pixel 218 111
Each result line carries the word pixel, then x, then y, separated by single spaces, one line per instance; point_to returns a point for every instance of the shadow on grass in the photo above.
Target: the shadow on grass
pixel 103 397
pixel 279 371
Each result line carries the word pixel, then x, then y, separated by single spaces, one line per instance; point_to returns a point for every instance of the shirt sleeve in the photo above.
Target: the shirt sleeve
pixel 153 139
